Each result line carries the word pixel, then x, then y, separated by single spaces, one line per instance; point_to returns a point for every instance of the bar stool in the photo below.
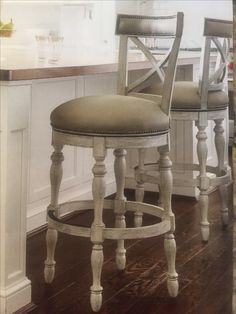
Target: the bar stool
pixel 201 102
pixel 118 122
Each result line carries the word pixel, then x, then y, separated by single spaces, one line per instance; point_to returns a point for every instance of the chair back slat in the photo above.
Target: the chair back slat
pixel 146 52
pixel 140 25
pixel 217 74
pixel 164 59
pixel 122 75
pixel 218 28
pixel 134 27
pixel 137 85
pixel 156 68
pixel 217 33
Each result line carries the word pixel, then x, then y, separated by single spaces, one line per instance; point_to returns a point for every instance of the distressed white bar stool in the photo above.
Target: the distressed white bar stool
pixel 201 102
pixel 118 122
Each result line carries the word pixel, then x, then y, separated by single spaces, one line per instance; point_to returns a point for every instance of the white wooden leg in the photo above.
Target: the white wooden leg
pixel 159 189
pixel 170 251
pixel 139 191
pixel 51 236
pixel 166 183
pixel 203 180
pixel 220 150
pixel 98 189
pixel 120 169
pixel 49 269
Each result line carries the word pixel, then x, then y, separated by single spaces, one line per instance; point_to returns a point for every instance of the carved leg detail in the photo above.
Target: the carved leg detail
pixel 120 168
pixel 166 180
pixel 96 288
pixel 166 183
pixel 203 203
pixel 159 200
pixel 220 149
pixel 49 269
pixel 224 199
pixel 139 191
pixel 170 251
pixel 203 180
pixel 98 189
pixel 51 236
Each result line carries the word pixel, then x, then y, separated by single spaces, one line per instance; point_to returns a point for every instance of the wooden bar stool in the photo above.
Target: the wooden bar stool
pixel 201 102
pixel 118 122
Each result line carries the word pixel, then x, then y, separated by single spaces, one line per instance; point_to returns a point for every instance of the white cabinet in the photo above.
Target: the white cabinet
pixel 45 97
pixel 15 288
pixel 77 166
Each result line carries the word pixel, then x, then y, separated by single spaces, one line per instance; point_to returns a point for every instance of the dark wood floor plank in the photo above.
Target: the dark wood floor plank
pixel 134 268
pixel 148 287
pixel 198 276
pixel 141 288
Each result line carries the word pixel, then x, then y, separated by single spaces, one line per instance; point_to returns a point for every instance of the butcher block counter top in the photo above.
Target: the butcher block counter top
pixel 23 64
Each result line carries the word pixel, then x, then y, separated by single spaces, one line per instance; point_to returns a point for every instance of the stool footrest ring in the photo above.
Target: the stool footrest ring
pixel 150 174
pixel 112 233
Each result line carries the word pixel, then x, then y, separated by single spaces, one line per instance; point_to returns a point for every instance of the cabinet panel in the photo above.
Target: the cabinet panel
pixel 14 117
pixel 78 163
pixel 45 97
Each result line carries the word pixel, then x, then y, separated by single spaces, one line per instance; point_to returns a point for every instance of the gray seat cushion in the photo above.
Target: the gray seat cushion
pixel 110 115
pixel 186 96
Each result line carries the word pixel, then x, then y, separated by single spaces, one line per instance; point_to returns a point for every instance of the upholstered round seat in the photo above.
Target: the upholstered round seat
pixel 186 97
pixel 110 114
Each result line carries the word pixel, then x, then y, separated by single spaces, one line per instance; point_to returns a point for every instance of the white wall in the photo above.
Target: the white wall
pixel 83 23
pixel 70 19
pixel 29 19
pixel 194 13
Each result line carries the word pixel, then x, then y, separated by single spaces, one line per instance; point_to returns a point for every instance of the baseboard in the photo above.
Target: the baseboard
pixel 15 297
pixel 36 218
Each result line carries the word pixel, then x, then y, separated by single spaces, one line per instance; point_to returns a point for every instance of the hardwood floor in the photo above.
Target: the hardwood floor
pixel 205 270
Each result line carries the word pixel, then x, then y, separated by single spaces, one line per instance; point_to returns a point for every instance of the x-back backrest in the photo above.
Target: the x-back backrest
pixel 216 32
pixel 134 27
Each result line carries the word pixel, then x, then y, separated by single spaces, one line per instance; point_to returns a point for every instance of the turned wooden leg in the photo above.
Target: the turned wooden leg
pixel 220 150
pixel 203 180
pixel 120 168
pixel 166 183
pixel 159 189
pixel 139 191
pixel 98 189
pixel 51 236
pixel 170 251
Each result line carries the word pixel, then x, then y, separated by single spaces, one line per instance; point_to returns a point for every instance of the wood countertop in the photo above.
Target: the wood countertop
pixel 22 64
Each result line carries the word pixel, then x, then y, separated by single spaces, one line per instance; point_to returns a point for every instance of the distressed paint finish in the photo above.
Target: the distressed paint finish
pixel 99 144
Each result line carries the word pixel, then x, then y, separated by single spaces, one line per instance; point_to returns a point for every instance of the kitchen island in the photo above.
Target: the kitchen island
pixel 30 90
